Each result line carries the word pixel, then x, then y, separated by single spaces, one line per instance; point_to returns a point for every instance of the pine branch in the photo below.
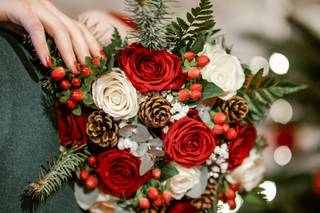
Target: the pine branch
pixel 261 91
pixel 59 172
pixel 150 17
pixel 184 32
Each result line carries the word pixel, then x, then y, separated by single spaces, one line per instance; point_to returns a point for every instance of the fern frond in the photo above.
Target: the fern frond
pixel 57 174
pixel 261 91
pixel 184 32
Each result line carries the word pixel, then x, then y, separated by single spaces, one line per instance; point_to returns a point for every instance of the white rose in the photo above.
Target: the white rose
pixel 115 95
pixel 182 182
pixel 249 174
pixel 224 70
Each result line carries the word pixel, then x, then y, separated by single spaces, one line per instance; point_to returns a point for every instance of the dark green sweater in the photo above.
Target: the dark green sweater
pixel 27 138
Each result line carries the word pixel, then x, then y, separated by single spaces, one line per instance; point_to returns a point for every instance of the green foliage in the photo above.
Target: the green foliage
pixel 59 172
pixel 111 50
pixel 261 91
pixel 199 21
pixel 256 196
pixel 210 90
pixel 168 171
pixel 150 17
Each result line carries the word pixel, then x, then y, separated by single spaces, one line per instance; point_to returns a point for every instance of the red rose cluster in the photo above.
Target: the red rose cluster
pixel 150 70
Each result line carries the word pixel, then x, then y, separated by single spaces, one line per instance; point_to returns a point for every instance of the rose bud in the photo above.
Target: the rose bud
pixel 202 61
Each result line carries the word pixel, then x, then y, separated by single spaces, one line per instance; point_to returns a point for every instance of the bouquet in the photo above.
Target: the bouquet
pixel 163 122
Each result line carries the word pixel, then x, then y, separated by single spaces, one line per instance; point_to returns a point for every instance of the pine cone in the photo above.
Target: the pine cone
pixel 155 112
pixel 235 108
pixel 102 129
pixel 207 199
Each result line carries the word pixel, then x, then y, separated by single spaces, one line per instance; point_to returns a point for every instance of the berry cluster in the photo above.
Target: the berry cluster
pixel 229 195
pixel 156 198
pixel 90 181
pixel 222 128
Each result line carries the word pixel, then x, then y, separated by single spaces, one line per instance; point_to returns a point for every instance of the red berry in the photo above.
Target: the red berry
pixel 217 129
pixel 202 61
pixel 235 187
pixel 76 82
pixel 103 54
pixel 231 134
pixel 144 203
pixel 158 202
pixel 232 204
pixel 156 173
pixel 219 118
pixel 225 127
pixel 184 95
pixel 189 56
pixel 65 84
pixel 153 193
pixel 230 194
pixel 58 73
pixel 196 95
pixel 91 182
pixel 196 86
pixel 84 175
pixel 222 197
pixel 77 95
pixel 78 68
pixel 95 61
pixel 92 161
pixel 194 73
pixel 71 104
pixel 86 70
pixel 166 197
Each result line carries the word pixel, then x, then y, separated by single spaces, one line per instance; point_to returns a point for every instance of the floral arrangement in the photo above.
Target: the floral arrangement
pixel 163 122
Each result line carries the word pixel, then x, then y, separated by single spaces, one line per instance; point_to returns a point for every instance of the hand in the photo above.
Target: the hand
pixel 73 40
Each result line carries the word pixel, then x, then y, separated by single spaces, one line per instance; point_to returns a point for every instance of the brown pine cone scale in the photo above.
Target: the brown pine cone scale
pixel 208 198
pixel 235 108
pixel 102 129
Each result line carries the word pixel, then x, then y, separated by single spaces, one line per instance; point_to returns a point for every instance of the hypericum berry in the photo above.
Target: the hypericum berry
pixel 158 202
pixel 166 197
pixel 84 175
pixel 219 118
pixel 86 70
pixel 189 56
pixel 231 134
pixel 58 73
pixel 230 194
pixel 194 73
pixel 153 193
pixel 202 61
pixel 91 182
pixel 76 82
pixel 232 204
pixel 222 197
pixel 64 84
pixel 196 95
pixel 71 104
pixel 156 173
pixel 77 95
pixel 196 86
pixel 103 54
pixel 184 95
pixel 226 127
pixel 144 203
pixel 92 161
pixel 95 61
pixel 217 129
pixel 235 187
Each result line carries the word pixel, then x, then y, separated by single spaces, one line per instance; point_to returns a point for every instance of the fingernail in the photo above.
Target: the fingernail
pixel 49 61
pixel 77 68
pixel 102 53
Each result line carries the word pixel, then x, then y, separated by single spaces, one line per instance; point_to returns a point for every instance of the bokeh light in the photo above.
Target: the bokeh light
pixel 281 111
pixel 279 63
pixel 257 63
pixel 270 190
pixel 282 155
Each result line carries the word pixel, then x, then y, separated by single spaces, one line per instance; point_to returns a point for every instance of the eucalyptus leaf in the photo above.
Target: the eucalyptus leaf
pixel 127 131
pixel 147 163
pixel 141 134
pixel 85 198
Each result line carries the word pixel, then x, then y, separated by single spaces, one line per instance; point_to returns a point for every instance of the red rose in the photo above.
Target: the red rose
pixel 151 70
pixel 240 148
pixel 189 142
pixel 119 175
pixel 72 128
pixel 182 207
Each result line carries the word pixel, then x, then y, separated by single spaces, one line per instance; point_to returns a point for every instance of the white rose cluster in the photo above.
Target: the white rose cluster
pixel 115 95
pixel 224 70
pixel 184 181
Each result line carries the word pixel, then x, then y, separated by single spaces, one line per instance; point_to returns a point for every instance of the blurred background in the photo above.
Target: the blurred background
pixel 287 34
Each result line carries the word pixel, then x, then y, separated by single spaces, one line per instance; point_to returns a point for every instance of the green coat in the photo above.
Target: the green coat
pixel 27 138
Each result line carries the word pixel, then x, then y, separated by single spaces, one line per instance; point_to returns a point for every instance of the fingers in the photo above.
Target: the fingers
pixel 34 27
pixel 60 34
pixel 79 42
pixel 94 46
